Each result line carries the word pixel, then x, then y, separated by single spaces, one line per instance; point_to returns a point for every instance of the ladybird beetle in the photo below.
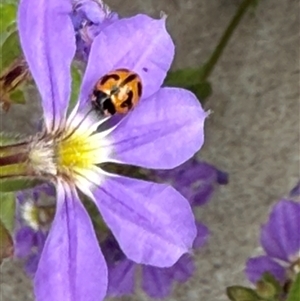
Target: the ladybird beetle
pixel 117 92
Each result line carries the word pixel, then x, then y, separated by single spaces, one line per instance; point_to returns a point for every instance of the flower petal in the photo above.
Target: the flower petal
pixel 23 241
pixel 194 179
pixel 121 278
pixel 202 195
pixel 156 282
pixel 140 44
pixel 31 264
pixel 152 223
pixel 48 43
pixel 183 269
pixel 280 235
pixel 295 192
pixel 257 266
pixel 72 266
pixel 95 12
pixel 162 132
pixel 202 236
pixel 111 251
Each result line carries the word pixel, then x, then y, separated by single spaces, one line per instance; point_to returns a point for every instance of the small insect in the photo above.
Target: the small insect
pixel 118 91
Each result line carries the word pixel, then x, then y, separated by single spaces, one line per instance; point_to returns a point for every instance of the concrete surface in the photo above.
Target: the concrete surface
pixel 253 133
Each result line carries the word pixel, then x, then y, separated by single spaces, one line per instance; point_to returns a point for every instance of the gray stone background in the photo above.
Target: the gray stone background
pixel 253 132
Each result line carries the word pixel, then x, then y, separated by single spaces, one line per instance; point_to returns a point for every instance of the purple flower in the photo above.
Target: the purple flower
pixel 280 238
pixel 195 180
pixel 152 223
pixel 156 282
pixel 89 17
pixel 29 245
pixel 32 225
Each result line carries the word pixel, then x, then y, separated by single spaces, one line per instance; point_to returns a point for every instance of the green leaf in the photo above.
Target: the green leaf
pixel 8 19
pixel 201 90
pixel 294 294
pixel 10 50
pixel 17 96
pixel 76 82
pixel 15 2
pixel 8 14
pixel 240 293
pixel 7 139
pixel 183 77
pixel 7 210
pixel 16 184
pixel 190 79
pixel 6 243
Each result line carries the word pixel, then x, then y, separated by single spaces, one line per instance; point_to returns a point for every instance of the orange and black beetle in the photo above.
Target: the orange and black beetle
pixel 117 92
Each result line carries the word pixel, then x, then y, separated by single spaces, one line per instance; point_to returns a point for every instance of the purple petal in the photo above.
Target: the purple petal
pixel 222 177
pixel 93 11
pixel 256 267
pixel 37 248
pixel 202 195
pixel 24 241
pixel 48 43
pixel 295 192
pixel 32 261
pixel 193 171
pixel 152 223
pixel 140 44
pixel 111 251
pixel 162 132
pixel 183 269
pixel 193 179
pixel 280 236
pixel 89 18
pixel 121 278
pixel 202 236
pixel 156 282
pixel 31 264
pixel 72 266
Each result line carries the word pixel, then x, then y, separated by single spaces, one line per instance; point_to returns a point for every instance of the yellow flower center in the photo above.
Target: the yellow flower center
pixel 78 151
pixel 72 152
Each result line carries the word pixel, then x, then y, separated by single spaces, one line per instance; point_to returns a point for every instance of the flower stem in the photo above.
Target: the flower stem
pixel 210 64
pixel 13 161
pixel 13 170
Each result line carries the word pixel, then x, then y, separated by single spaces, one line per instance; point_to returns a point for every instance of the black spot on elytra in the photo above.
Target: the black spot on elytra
pixel 128 79
pixel 107 77
pixel 145 69
pixel 139 89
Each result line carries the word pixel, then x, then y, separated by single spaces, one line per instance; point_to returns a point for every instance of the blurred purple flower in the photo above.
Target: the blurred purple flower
pixel 156 282
pixel 152 223
pixel 89 17
pixel 195 180
pixel 280 238
pixel 32 226
pixel 29 244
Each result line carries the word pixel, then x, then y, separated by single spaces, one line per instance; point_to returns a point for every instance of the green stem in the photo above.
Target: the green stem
pixel 13 170
pixel 210 64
